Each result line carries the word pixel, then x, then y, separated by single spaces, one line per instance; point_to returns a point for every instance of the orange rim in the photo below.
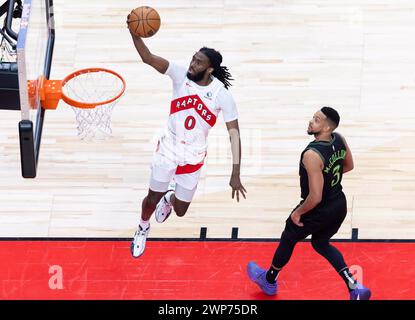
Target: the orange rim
pixel 89 105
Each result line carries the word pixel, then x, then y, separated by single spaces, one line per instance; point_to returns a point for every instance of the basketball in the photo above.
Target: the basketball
pixel 144 22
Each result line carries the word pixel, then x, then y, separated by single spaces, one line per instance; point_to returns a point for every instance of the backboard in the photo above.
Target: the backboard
pixel 34 58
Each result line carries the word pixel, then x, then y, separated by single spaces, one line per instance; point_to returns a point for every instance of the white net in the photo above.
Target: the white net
pixel 94 124
pixel 93 88
pixel 7 53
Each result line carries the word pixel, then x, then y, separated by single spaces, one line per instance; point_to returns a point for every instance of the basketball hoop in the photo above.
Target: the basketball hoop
pixel 92 93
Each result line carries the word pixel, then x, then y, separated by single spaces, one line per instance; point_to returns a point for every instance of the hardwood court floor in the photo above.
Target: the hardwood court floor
pixel 288 59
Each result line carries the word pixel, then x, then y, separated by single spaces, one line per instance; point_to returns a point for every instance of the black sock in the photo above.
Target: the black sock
pixel 272 275
pixel 348 278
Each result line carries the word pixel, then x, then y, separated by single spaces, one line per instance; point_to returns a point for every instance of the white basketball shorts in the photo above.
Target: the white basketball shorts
pixel 186 177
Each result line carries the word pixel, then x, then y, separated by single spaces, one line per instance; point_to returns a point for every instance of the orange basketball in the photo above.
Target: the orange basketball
pixel 144 21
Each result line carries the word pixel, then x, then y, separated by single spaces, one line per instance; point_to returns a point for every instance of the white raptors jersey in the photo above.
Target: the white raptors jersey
pixel 193 112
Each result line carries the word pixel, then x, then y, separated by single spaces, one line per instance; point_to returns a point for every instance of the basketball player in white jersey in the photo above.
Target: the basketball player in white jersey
pixel 199 95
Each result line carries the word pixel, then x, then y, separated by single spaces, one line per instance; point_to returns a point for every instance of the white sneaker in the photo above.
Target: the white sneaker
pixel 164 207
pixel 139 242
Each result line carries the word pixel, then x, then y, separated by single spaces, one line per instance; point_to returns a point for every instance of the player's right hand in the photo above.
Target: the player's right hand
pixel 296 218
pixel 128 27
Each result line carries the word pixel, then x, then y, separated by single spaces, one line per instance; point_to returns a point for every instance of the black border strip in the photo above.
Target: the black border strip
pixel 92 239
pixel 203 238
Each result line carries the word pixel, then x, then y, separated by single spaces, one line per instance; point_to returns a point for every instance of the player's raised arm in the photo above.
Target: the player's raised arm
pixel 158 63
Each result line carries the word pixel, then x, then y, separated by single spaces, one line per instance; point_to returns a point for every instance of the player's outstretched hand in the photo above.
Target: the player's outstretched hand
pixel 128 18
pixel 237 187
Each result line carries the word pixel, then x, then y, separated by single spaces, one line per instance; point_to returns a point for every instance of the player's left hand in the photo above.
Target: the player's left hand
pixel 237 186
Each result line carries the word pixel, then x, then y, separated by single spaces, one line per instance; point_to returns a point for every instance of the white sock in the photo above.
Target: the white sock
pixel 144 224
pixel 172 185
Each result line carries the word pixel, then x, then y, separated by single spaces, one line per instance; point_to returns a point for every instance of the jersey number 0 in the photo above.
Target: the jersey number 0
pixel 190 122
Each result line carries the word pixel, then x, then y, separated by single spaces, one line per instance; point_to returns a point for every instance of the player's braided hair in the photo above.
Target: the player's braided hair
pixel 220 72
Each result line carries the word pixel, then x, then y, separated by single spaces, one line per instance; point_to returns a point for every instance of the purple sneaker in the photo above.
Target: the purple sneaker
pixel 258 275
pixel 360 293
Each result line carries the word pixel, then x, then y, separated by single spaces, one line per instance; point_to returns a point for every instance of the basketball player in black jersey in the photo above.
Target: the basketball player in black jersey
pixel 322 208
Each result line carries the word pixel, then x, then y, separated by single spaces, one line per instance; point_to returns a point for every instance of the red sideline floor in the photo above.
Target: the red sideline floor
pixel 193 270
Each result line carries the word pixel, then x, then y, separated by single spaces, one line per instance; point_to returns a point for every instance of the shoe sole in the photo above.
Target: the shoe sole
pixel 263 291
pixel 365 296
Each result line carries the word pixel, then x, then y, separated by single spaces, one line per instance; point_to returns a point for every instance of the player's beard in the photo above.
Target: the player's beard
pixel 312 133
pixel 196 77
